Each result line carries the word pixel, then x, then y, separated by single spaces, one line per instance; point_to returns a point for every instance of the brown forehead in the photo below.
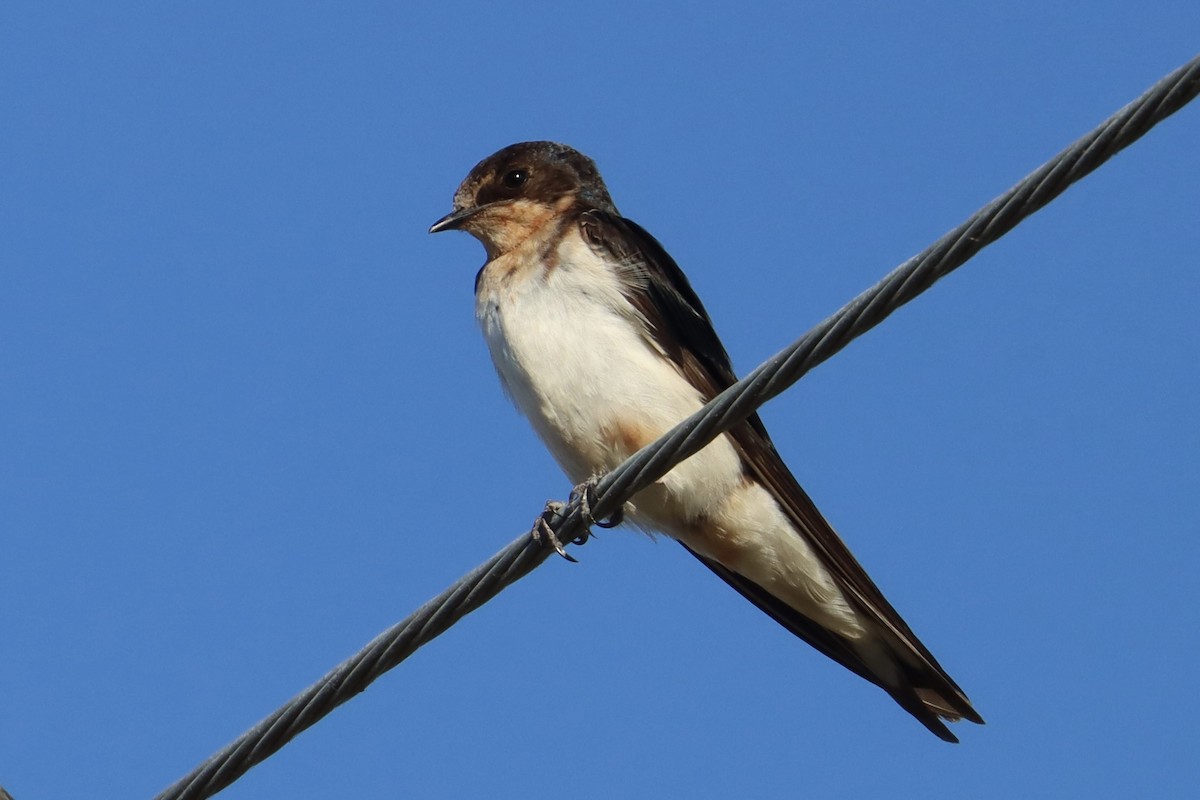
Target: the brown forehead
pixel 555 170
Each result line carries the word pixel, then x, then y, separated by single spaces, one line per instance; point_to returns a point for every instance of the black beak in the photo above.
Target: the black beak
pixel 453 221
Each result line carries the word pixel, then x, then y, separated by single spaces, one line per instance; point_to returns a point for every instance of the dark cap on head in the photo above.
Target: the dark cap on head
pixel 537 171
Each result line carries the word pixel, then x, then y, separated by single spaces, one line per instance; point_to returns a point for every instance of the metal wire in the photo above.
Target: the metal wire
pixel 726 410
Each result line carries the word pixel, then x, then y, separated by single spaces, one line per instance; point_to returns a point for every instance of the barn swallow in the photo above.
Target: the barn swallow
pixel 601 342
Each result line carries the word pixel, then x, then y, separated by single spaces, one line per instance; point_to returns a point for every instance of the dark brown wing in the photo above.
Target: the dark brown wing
pixel 681 326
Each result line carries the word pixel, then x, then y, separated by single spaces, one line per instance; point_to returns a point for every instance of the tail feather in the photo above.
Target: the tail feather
pixel 920 687
pixel 933 709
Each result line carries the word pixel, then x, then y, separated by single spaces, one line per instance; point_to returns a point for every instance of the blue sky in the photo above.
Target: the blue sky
pixel 247 421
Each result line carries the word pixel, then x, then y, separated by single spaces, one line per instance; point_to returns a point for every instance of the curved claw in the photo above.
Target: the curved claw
pixel 544 534
pixel 614 519
pixel 586 492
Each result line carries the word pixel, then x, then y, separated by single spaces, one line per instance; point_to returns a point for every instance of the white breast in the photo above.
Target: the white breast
pixel 572 354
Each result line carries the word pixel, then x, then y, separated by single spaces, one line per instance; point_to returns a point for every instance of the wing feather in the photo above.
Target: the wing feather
pixel 681 328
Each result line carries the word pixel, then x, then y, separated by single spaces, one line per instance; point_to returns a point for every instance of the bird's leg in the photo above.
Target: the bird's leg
pixel 586 492
pixel 544 534
pixel 585 495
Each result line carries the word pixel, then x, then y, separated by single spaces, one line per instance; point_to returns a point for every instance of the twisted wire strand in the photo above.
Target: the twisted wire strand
pixel 732 406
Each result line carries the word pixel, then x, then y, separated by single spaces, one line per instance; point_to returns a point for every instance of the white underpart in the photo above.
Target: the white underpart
pixel 571 358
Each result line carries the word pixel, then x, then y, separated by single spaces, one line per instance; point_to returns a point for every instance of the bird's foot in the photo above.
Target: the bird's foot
pixel 586 492
pixel 544 534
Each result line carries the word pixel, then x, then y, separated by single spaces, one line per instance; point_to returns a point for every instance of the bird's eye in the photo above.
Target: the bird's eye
pixel 515 178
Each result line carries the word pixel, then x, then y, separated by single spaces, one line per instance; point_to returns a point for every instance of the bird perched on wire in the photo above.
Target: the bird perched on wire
pixel 601 342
